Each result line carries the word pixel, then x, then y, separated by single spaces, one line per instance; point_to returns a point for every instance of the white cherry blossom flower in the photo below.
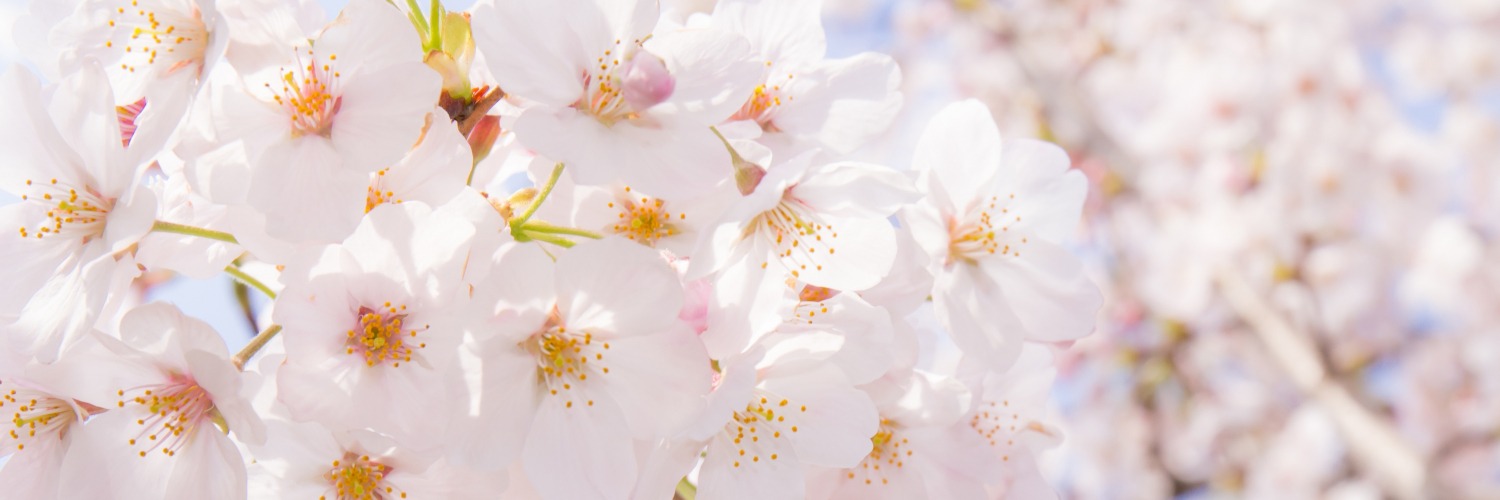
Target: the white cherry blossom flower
pixel 177 398
pixel 992 220
pixel 81 211
pixel 801 222
pixel 576 363
pixel 922 449
pixel 806 101
pixel 614 100
pixel 144 44
pixel 330 113
pixel 776 412
pixel 371 326
pixel 301 460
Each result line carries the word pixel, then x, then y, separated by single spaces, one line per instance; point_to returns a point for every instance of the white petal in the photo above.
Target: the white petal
pixel 728 475
pixel 835 429
pixel 503 402
pixel 782 31
pixel 714 73
pixel 381 114
pixel 367 36
pixel 961 149
pixel 617 287
pixel 667 162
pixel 1049 196
pixel 1048 291
pixel 579 452
pixel 532 50
pixel 967 308
pixel 659 381
pixel 305 194
pixel 848 189
pixel 852 101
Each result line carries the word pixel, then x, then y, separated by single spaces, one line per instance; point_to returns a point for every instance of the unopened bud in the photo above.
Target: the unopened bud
pixel 483 137
pixel 747 175
pixel 648 82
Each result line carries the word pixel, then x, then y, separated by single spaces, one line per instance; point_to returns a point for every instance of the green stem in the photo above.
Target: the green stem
pixel 547 238
pixel 254 346
pixel 416 14
pixel 175 228
pixel 686 490
pixel 537 226
pixel 540 197
pixel 435 29
pixel 733 155
pixel 250 280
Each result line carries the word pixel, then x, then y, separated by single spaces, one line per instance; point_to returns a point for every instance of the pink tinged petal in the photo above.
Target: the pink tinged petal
pixel 960 149
pixel 854 100
pixel 617 288
pixel 730 475
pixel 1049 196
pixel 830 189
pixel 502 400
pixel 715 73
pixel 1048 290
pixel 782 31
pixel 659 381
pixel 647 82
pixel 305 194
pixel 219 377
pixel 381 113
pixel 531 49
pixel 579 452
pixel 672 162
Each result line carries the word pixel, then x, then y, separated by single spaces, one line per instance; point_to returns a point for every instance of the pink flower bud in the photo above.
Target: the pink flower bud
pixel 648 82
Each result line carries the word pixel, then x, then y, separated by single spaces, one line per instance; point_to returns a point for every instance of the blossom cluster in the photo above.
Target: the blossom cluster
pixel 1323 169
pixel 700 294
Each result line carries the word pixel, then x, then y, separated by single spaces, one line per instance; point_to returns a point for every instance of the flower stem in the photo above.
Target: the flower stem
pixel 537 226
pixel 434 28
pixel 175 228
pixel 540 197
pixel 254 346
pixel 686 490
pixel 547 238
pixel 416 15
pixel 250 280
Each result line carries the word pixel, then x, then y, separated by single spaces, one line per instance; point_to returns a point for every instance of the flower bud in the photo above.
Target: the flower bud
pixel 483 137
pixel 648 82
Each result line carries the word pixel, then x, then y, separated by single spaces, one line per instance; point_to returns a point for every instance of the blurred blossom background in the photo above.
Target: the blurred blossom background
pixel 1293 214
